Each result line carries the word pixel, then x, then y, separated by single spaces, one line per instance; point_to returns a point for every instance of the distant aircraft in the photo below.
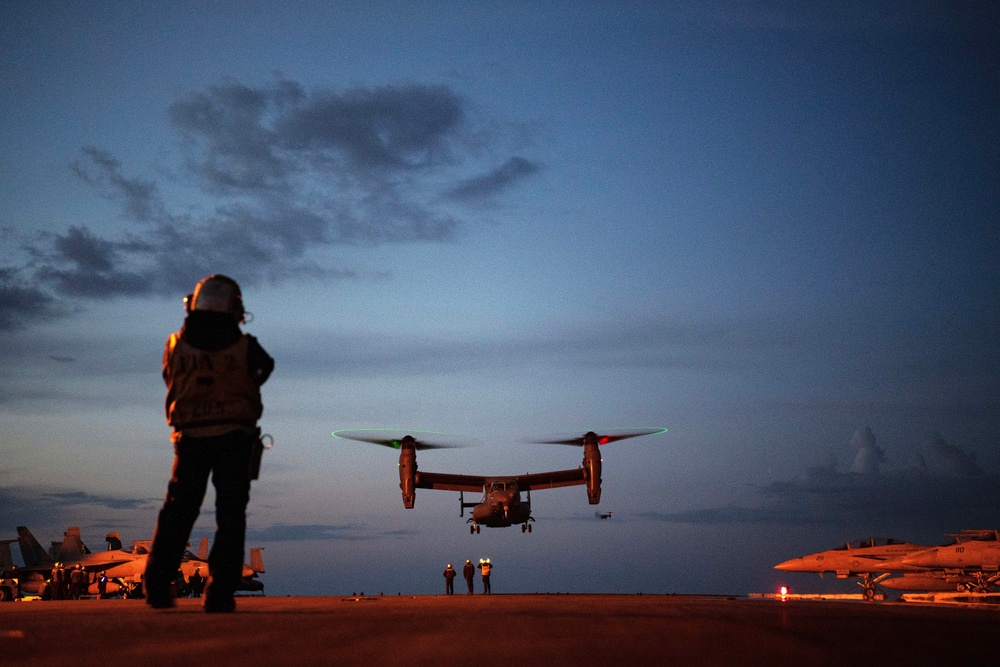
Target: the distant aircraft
pixel 502 504
pixel 123 567
pixel 861 558
pixel 974 556
pixel 8 586
pixel 38 564
pixel 603 515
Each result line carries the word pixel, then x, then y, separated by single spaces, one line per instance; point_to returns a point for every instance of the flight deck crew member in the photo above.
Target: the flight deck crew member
pixel 449 580
pixel 213 372
pixel 469 572
pixel 486 566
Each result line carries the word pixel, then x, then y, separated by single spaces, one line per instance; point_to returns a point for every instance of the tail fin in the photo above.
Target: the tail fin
pixel 203 549
pixel 6 560
pixel 72 547
pixel 32 552
pixel 256 560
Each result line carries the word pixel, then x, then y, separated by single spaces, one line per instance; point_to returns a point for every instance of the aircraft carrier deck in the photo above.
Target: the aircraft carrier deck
pixel 499 630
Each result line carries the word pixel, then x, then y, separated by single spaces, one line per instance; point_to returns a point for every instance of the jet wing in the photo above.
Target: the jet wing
pixel 448 482
pixel 551 480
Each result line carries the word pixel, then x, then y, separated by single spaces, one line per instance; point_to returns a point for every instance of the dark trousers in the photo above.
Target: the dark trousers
pixel 227 459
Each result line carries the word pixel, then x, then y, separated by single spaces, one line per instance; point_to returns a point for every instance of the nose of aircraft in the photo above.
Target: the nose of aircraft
pixel 793 565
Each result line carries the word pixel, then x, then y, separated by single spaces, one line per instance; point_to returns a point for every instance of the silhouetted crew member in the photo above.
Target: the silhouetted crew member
pixel 196 583
pixel 56 582
pixel 102 585
pixel 469 572
pixel 75 582
pixel 486 566
pixel 449 580
pixel 213 373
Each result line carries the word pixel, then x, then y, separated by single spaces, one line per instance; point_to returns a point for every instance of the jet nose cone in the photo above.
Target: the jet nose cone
pixel 793 565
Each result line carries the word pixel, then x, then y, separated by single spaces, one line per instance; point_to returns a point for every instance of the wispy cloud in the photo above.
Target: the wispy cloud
pixel 46 507
pixel 493 183
pixel 350 532
pixel 288 172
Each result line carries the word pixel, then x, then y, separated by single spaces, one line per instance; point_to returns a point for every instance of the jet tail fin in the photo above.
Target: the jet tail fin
pixel 257 560
pixel 203 548
pixel 6 560
pixel 32 552
pixel 72 547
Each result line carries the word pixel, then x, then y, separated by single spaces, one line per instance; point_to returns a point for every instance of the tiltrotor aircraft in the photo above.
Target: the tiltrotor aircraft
pixel 502 504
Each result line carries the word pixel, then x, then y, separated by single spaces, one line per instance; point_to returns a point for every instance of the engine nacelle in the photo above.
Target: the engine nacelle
pixel 408 474
pixel 592 471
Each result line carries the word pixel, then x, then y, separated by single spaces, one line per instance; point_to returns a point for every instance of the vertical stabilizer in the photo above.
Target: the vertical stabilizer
pixel 257 560
pixel 6 560
pixel 32 552
pixel 72 547
pixel 203 549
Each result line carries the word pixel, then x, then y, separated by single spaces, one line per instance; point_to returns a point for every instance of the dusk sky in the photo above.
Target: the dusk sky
pixel 772 228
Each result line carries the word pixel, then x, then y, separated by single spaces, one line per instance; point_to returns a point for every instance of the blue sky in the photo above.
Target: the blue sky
pixel 764 226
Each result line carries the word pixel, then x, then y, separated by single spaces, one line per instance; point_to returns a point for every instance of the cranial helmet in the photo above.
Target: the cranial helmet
pixel 219 294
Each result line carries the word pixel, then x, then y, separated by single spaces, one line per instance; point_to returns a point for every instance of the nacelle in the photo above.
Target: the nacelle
pixel 592 471
pixel 408 474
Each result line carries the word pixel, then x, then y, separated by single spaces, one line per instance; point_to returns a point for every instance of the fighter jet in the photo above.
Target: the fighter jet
pixel 123 567
pixel 973 556
pixel 860 558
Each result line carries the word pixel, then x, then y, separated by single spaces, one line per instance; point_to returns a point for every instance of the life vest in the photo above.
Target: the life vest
pixel 209 387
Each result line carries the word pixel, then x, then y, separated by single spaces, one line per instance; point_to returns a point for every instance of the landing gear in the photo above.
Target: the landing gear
pixel 869 583
pixel 474 528
pixel 525 527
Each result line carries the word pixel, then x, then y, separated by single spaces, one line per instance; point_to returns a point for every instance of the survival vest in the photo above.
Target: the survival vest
pixel 209 387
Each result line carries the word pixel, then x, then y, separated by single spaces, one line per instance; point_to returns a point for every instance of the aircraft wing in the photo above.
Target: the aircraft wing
pixel 448 482
pixel 551 480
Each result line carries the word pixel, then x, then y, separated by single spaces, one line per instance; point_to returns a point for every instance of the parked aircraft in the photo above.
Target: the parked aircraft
pixel 123 567
pixel 8 586
pixel 860 558
pixel 973 555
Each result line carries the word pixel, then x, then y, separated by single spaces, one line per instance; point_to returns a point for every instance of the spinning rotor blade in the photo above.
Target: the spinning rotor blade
pixel 604 439
pixel 368 435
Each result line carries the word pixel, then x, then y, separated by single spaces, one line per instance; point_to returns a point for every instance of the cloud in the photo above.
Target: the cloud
pixel 351 532
pixel 288 173
pixel 951 492
pixel 32 506
pixel 71 499
pixel 870 456
pixel 493 183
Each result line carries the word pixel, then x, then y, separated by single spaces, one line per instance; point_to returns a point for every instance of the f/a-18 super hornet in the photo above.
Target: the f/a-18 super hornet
pixel 501 504
pixel 860 558
pixel 970 562
pixel 122 567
